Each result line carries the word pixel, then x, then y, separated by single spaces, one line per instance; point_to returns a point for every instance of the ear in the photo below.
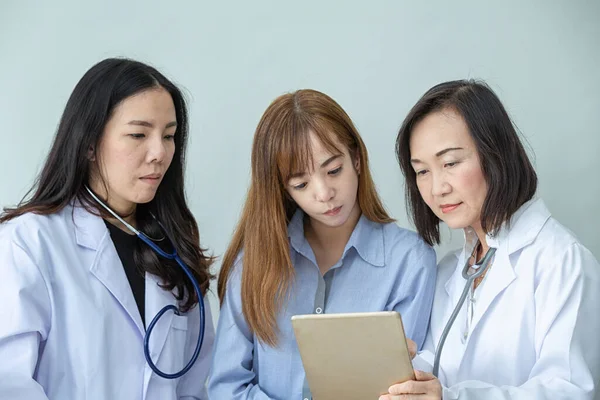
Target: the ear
pixel 91 154
pixel 357 162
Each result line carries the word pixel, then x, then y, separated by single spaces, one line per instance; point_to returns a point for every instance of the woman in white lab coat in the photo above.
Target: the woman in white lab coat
pixel 529 326
pixel 76 289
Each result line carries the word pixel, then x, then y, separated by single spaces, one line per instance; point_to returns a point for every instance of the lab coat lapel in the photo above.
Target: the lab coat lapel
pixel 156 299
pixel 525 225
pixel 454 287
pixel 456 283
pixel 91 233
pixel 499 277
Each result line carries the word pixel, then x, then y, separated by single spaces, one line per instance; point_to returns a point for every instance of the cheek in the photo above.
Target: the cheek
pixel 353 185
pixel 348 181
pixel 473 182
pixel 296 196
pixel 170 154
pixel 118 163
pixel 425 191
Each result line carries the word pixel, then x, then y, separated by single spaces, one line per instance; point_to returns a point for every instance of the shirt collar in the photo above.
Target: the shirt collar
pixel 366 239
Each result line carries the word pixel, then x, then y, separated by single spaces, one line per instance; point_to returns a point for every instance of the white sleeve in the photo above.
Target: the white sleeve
pixel 566 336
pixel 193 384
pixel 25 312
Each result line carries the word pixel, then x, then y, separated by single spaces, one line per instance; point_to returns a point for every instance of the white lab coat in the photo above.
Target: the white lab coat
pixel 70 327
pixel 536 319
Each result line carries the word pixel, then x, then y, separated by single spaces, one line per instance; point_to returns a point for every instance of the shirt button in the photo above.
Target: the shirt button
pixel 319 310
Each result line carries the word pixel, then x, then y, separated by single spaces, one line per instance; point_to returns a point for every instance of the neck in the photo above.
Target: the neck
pixel 483 246
pixel 125 210
pixel 331 238
pixel 130 220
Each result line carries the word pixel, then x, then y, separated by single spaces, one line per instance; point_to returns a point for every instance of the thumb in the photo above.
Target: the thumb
pixel 412 348
pixel 423 376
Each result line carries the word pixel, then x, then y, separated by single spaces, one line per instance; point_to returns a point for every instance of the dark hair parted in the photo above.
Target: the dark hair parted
pixel 510 176
pixel 67 170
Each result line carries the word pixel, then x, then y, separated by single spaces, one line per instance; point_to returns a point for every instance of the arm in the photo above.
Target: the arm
pixel 193 384
pixel 25 314
pixel 568 366
pixel 413 298
pixel 423 360
pixel 232 376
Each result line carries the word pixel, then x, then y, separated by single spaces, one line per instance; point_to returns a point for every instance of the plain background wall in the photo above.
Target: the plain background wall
pixel 375 58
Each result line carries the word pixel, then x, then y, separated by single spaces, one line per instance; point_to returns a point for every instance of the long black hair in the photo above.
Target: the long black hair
pixel 67 171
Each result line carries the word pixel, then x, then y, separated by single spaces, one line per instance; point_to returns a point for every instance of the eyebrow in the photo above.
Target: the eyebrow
pixel 149 124
pixel 323 165
pixel 438 154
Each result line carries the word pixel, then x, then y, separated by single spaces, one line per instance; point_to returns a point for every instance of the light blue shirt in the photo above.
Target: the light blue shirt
pixel 383 268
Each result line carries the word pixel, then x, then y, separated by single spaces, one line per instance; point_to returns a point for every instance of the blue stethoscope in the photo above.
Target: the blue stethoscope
pixel 168 256
pixel 479 268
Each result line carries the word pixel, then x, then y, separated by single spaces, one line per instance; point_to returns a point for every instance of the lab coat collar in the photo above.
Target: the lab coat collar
pixel 89 228
pixel 524 227
pixel 91 233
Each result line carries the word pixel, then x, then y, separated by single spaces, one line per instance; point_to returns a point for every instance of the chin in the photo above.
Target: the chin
pixel 455 224
pixel 336 223
pixel 144 199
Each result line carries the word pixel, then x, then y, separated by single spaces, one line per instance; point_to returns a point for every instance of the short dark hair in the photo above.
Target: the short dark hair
pixel 67 170
pixel 511 178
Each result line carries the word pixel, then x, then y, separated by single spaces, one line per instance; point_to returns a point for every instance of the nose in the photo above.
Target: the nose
pixel 157 150
pixel 439 185
pixel 323 191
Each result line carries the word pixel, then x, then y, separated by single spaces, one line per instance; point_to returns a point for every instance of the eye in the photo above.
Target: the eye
pixel 169 137
pixel 421 172
pixel 299 186
pixel 137 135
pixel 450 164
pixel 335 171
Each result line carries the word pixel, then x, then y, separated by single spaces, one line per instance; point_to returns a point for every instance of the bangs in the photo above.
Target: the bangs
pixel 294 155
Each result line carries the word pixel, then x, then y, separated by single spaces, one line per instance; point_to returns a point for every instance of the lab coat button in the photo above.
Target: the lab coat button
pixel 319 310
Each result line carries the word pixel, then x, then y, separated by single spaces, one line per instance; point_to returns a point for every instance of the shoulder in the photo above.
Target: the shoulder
pixel 399 240
pixel 35 232
pixel 234 275
pixel 29 225
pixel 448 264
pixel 406 249
pixel 556 249
pixel 554 236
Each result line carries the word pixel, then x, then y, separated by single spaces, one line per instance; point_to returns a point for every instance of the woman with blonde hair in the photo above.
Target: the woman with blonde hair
pixel 313 237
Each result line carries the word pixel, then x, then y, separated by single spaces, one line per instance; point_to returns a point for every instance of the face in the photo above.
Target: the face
pixel 135 150
pixel 327 192
pixel 449 175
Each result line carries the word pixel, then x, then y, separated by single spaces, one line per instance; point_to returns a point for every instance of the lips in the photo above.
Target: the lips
pixel 151 179
pixel 446 208
pixel 333 211
pixel 151 176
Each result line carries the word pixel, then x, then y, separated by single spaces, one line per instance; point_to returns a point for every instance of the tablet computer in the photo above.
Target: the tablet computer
pixel 355 356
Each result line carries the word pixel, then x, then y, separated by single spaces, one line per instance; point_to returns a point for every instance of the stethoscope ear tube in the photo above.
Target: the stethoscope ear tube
pixel 483 265
pixel 197 290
